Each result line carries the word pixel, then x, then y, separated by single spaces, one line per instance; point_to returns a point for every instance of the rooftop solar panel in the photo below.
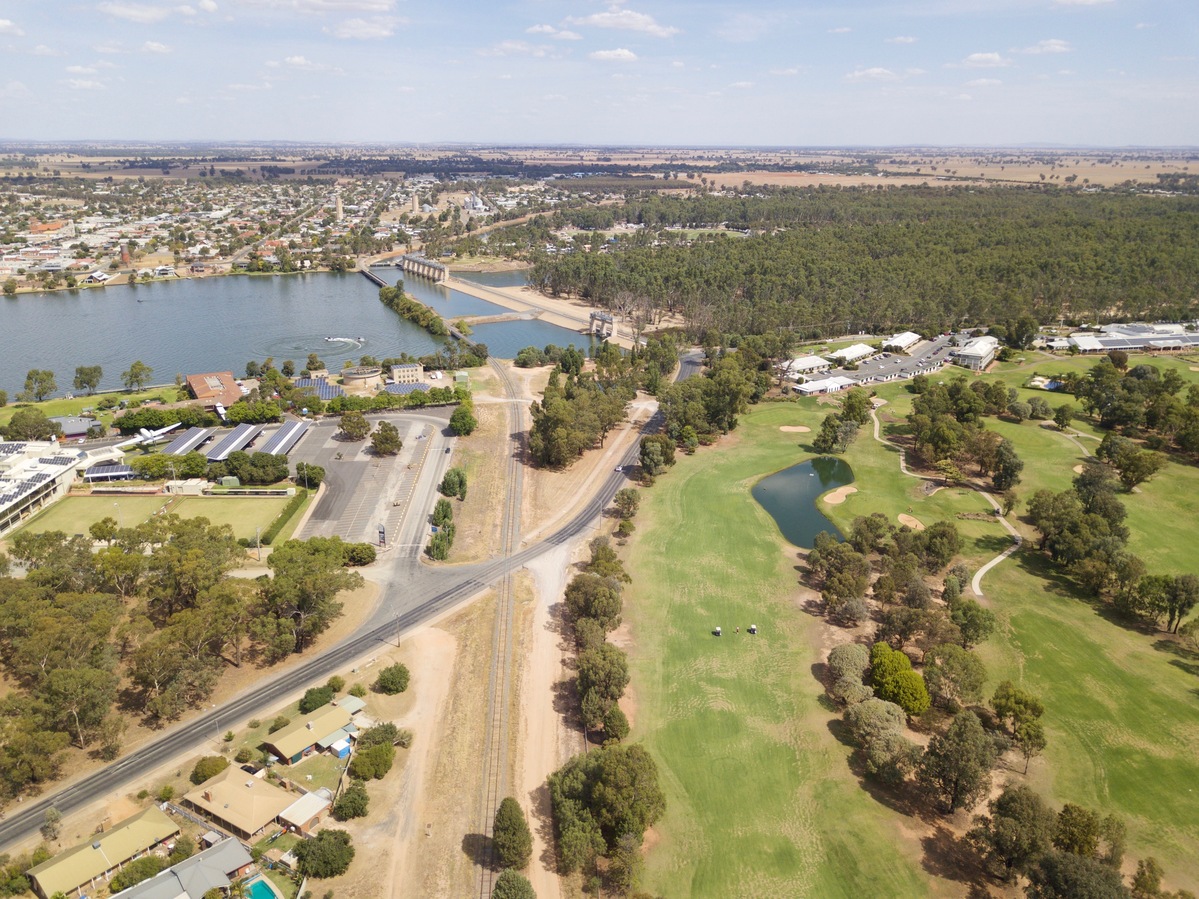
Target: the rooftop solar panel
pixel 405 389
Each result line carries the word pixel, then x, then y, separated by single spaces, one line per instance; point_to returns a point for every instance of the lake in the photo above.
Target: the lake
pixel 213 324
pixel 790 497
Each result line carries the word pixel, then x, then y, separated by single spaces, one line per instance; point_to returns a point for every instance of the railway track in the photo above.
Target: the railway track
pixel 495 762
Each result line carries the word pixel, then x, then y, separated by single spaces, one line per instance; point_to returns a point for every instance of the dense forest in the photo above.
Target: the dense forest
pixel 828 261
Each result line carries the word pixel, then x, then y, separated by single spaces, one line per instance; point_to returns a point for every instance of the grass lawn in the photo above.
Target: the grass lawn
pixel 75 514
pixel 760 798
pixel 324 770
pixel 242 513
pixel 761 801
pixel 56 407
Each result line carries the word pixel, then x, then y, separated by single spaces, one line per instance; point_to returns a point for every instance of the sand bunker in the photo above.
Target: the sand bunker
pixel 1078 469
pixel 1195 368
pixel 914 523
pixel 795 429
pixel 838 496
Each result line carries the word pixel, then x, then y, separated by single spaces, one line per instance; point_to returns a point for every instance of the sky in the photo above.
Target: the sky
pixel 631 72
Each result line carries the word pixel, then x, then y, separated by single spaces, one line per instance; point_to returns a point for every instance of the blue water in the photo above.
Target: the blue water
pixel 258 889
pixel 495 279
pixel 790 497
pixel 216 324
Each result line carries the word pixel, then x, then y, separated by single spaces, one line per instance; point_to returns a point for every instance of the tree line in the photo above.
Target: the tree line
pixel 829 260
pixel 604 800
pixel 144 625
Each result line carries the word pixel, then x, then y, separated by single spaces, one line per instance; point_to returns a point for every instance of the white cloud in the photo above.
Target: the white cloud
pixel 624 20
pixel 110 47
pixel 8 26
pixel 745 27
pixel 13 90
pixel 793 70
pixel 983 82
pixel 365 29
pixel 963 97
pixel 742 85
pixel 81 70
pixel 208 5
pixel 342 6
pixel 875 73
pixel 185 10
pixel 678 64
pixel 1053 45
pixel 901 39
pixel 620 54
pixel 43 50
pixel 246 88
pixel 844 29
pixel 83 84
pixel 134 12
pixel 556 34
pixel 982 61
pixel 516 48
pixel 155 47
pixel 1141 26
pixel 304 64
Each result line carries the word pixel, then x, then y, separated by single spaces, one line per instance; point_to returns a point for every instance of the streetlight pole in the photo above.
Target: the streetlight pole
pixel 120 519
pixel 258 542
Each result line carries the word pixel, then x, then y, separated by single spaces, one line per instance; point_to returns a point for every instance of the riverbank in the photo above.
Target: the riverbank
pixel 571 314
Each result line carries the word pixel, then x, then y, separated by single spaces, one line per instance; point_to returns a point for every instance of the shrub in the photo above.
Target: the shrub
pixel 314 698
pixel 907 690
pixel 404 738
pixel 513 840
pixel 381 734
pixel 870 719
pixel 244 755
pixel 166 793
pixel 392 679
pixel 358 690
pixel 851 691
pixel 353 803
pixel 278 724
pixel 372 763
pixel 328 854
pixel 510 885
pixel 293 506
pixel 255 724
pixel 336 683
pixel 228 738
pixel 848 660
pixel 616 724
pixel 359 554
pixel 209 766
pixel 135 872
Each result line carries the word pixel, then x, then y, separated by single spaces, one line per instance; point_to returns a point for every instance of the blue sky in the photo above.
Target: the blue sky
pixel 721 72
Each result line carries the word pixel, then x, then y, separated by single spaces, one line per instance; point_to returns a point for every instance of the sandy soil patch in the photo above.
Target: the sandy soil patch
pixel 911 521
pixel 1077 469
pixel 838 496
pixel 795 429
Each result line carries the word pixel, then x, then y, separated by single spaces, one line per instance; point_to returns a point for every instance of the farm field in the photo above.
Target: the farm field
pixel 761 800
pixel 75 514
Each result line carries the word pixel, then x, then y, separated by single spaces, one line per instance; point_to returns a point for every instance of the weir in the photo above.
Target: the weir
pixel 425 267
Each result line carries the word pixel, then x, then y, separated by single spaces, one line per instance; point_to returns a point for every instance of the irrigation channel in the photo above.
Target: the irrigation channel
pixel 495 762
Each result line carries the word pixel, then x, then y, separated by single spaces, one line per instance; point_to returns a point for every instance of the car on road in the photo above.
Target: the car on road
pixel 620 468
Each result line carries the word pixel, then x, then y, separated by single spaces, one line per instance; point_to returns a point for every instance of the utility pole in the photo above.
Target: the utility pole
pixel 258 542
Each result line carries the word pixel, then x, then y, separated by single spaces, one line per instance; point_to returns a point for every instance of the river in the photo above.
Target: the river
pixel 220 323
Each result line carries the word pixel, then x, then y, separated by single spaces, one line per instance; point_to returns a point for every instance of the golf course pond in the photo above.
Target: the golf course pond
pixel 790 497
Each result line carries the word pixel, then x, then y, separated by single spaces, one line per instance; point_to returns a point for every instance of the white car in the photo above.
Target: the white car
pixel 620 468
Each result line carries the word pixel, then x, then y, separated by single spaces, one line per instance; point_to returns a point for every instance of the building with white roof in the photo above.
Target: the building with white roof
pixel 804 366
pixel 826 385
pixel 978 353
pixel 902 342
pixel 854 353
pixel 32 476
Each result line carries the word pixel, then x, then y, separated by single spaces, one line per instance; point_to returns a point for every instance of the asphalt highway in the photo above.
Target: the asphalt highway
pixel 413 594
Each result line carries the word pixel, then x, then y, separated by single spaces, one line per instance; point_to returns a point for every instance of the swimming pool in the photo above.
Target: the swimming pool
pixel 260 889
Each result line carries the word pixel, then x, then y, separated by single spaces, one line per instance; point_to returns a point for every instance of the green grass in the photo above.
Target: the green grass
pixel 56 407
pixel 324 770
pixel 242 513
pixel 75 514
pixel 760 798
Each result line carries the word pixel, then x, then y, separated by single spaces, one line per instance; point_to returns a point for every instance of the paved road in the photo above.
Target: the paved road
pixel 413 594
